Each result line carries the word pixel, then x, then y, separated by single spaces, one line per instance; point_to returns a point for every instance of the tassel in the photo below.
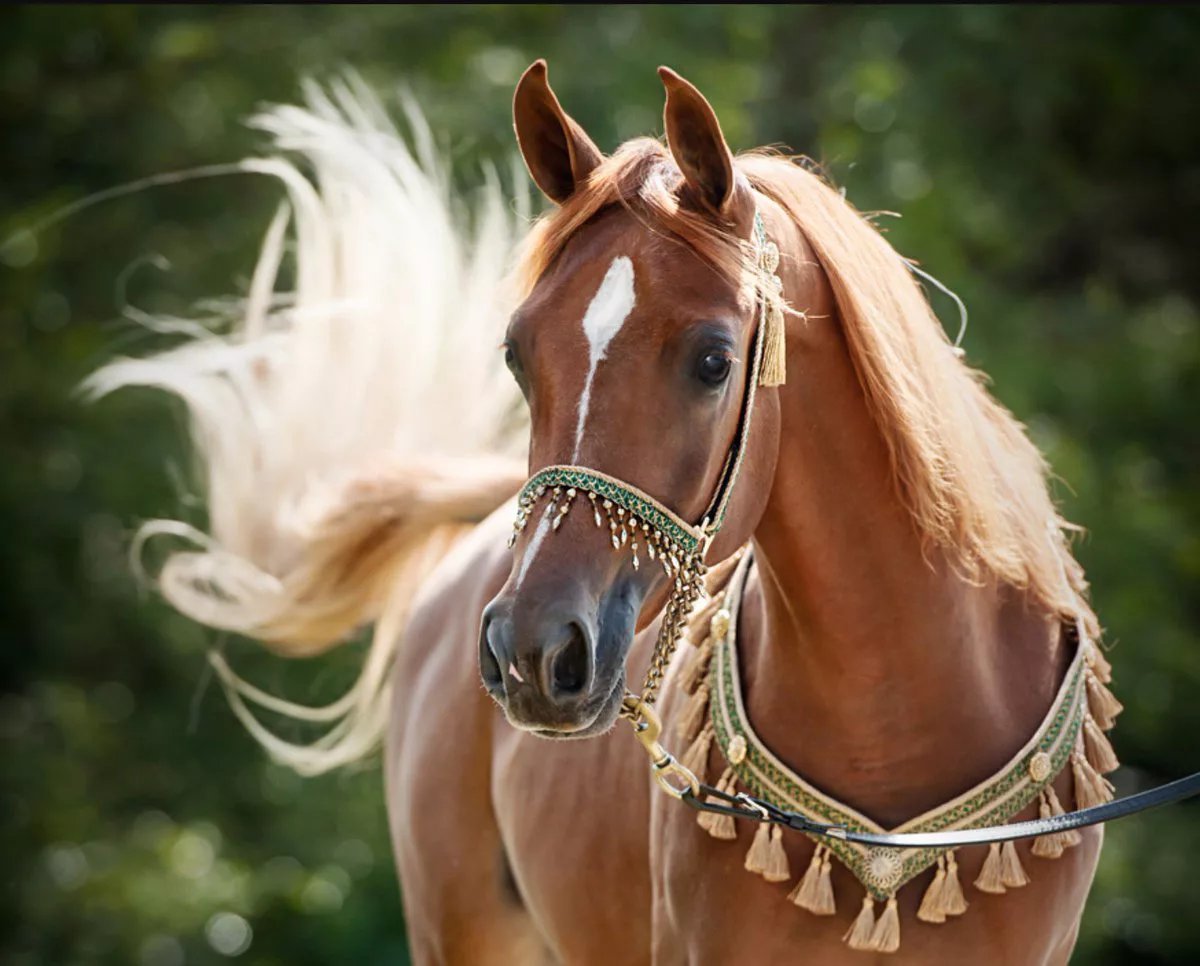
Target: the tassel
pixel 1090 788
pixel 814 892
pixel 1050 845
pixel 859 935
pixel 766 856
pixel 1070 837
pixel 1100 752
pixel 1102 703
pixel 702 618
pixel 990 877
pixel 695 759
pixel 693 714
pixel 953 900
pixel 697 667
pixel 1099 663
pixel 931 903
pixel 774 361
pixel 714 823
pixel 1012 873
pixel 886 937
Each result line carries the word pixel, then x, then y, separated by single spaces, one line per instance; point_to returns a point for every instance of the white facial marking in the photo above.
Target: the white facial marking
pixel 535 544
pixel 609 309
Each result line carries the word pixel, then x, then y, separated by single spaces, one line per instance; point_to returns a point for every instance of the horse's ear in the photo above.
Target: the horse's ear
pixel 557 151
pixel 698 147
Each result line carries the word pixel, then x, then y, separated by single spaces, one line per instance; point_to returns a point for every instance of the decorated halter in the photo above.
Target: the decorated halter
pixel 637 521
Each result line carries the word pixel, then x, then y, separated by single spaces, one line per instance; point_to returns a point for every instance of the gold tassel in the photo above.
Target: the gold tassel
pixel 1102 703
pixel 953 900
pixel 814 892
pixel 693 714
pixel 1069 837
pixel 766 855
pixel 695 759
pixel 1090 788
pixel 931 903
pixel 1050 845
pixel 697 667
pixel 1100 665
pixel 701 619
pixel 1012 873
pixel 886 936
pixel 990 877
pixel 1100 752
pixel 778 868
pixel 859 935
pixel 774 361
pixel 714 823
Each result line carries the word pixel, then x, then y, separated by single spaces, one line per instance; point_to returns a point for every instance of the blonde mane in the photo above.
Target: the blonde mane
pixel 973 482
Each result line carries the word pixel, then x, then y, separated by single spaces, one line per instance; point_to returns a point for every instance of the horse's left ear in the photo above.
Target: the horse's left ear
pixel 698 147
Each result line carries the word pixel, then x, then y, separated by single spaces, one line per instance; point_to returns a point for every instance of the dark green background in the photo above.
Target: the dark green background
pixel 1047 166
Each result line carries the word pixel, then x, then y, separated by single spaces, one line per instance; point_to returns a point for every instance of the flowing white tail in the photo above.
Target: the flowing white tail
pixel 352 429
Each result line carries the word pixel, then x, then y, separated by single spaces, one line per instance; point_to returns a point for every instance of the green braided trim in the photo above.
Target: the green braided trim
pixel 634 501
pixel 989 804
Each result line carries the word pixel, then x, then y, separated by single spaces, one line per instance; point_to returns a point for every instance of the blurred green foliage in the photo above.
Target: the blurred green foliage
pixel 1047 166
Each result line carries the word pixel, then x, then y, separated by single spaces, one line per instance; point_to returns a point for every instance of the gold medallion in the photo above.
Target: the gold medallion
pixel 1039 767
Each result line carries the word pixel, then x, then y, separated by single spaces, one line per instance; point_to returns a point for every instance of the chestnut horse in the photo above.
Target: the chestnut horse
pixel 900 631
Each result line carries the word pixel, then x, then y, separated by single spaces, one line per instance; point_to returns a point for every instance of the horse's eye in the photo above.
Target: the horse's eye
pixel 510 357
pixel 714 368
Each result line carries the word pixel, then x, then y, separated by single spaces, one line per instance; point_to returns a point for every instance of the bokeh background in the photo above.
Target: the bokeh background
pixel 1046 165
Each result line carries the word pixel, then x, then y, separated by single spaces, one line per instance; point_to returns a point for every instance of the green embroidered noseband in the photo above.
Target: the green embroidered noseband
pixel 636 520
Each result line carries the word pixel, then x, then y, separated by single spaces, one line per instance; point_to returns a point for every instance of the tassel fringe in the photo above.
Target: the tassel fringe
pixel 766 856
pixel 774 362
pixel 697 667
pixel 814 892
pixel 953 900
pixel 1090 788
pixel 778 868
pixel 695 759
pixel 1102 703
pixel 714 823
pixel 1100 752
pixel 1050 845
pixel 886 937
pixel 991 876
pixel 1012 873
pixel 702 619
pixel 1099 664
pixel 860 934
pixel 932 909
pixel 693 714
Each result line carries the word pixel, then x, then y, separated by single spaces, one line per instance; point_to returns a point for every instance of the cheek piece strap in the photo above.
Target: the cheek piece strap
pixel 637 521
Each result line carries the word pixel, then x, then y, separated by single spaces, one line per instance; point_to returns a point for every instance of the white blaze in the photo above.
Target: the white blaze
pixel 539 535
pixel 609 309
pixel 605 315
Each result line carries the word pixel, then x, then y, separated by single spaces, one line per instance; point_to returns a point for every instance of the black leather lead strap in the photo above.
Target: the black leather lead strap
pixel 745 806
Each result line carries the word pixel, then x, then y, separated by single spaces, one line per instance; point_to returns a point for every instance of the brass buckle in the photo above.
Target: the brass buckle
pixel 647 728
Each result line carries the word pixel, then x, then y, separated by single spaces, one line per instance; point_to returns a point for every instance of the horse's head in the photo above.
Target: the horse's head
pixel 635 350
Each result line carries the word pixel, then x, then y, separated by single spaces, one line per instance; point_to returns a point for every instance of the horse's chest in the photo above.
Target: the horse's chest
pixel 574 817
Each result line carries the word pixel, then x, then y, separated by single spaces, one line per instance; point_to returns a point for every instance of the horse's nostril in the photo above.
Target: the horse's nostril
pixel 489 659
pixel 570 665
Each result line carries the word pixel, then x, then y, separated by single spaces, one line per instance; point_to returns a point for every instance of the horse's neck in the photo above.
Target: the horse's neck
pixel 872 668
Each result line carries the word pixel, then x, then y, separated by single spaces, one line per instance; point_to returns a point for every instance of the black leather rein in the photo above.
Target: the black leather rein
pixel 748 807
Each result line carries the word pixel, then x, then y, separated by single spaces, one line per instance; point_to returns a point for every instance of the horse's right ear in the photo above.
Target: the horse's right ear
pixel 557 151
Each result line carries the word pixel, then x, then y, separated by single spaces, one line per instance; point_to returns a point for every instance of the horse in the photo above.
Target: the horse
pixel 881 621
